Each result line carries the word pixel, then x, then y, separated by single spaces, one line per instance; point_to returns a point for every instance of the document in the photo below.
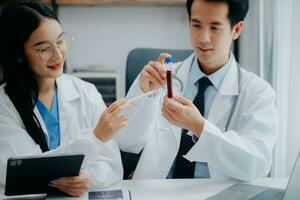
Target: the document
pixel 120 194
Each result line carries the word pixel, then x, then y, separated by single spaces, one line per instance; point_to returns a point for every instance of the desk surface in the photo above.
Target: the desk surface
pixel 181 188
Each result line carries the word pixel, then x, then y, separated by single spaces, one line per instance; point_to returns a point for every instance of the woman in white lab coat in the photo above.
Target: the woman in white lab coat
pixel 43 111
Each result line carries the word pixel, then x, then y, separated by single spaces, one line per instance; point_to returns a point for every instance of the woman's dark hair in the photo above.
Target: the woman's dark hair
pixel 17 22
pixel 237 9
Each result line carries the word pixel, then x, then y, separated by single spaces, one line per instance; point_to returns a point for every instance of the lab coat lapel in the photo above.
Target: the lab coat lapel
pixel 42 123
pixel 182 73
pixel 183 69
pixel 223 101
pixel 67 94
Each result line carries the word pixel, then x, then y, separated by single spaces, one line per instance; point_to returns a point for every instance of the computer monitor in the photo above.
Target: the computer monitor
pixel 252 192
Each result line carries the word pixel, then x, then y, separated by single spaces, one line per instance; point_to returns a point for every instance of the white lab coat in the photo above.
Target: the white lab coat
pixel 80 107
pixel 243 152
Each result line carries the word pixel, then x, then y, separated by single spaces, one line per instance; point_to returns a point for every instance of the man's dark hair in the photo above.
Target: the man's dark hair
pixel 237 9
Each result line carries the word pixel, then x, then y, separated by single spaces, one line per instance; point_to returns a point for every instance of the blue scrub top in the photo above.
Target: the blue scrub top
pixel 51 120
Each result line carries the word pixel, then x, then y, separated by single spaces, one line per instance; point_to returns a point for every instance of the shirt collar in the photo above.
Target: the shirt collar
pixel 66 88
pixel 215 78
pixel 54 107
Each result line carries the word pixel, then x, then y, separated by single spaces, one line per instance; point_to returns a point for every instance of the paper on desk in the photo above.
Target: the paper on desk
pixel 119 194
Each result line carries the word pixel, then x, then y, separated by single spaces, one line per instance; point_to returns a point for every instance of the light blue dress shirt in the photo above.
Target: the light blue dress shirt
pixel 191 89
pixel 51 120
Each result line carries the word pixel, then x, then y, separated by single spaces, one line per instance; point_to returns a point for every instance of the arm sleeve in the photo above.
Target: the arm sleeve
pixel 246 153
pixel 102 160
pixel 141 120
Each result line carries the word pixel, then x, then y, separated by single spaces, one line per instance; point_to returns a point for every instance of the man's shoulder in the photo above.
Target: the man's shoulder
pixel 253 83
pixel 71 85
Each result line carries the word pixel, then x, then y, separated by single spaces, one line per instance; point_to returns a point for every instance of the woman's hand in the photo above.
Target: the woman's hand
pixel 111 120
pixel 73 186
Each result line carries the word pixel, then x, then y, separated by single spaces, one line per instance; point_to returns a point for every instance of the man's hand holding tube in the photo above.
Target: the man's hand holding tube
pixel 153 75
pixel 181 112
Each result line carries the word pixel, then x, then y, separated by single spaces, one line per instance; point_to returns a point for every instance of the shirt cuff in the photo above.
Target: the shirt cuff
pixel 88 132
pixel 195 138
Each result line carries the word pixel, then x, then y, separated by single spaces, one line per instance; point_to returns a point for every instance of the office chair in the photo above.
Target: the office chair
pixel 139 57
pixel 136 60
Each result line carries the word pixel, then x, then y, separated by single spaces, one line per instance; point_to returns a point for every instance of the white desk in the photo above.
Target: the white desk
pixel 188 189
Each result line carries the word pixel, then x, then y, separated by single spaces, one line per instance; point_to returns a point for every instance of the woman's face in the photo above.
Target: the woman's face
pixel 45 50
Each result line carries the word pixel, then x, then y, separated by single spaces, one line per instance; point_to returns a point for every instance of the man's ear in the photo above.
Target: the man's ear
pixel 237 30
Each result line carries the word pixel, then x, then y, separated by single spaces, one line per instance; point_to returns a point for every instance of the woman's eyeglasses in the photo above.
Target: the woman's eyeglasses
pixel 47 50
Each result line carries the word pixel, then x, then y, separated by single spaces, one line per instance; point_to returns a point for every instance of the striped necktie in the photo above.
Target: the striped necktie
pixel 184 168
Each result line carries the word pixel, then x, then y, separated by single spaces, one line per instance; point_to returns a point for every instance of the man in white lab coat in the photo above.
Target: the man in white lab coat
pixel 224 123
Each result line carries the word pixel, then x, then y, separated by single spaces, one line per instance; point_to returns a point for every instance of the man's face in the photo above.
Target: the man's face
pixel 212 34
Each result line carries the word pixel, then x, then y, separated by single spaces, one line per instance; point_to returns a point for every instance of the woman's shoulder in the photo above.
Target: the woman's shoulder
pixel 75 81
pixel 71 84
pixel 6 104
pixel 3 95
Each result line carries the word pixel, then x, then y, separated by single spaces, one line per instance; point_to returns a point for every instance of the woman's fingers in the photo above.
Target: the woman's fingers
pixel 74 186
pixel 116 104
pixel 111 120
pixel 117 111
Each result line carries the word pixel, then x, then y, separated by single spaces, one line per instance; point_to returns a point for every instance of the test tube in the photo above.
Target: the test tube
pixel 168 64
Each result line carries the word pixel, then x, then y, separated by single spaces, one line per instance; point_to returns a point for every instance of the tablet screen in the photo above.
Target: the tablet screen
pixel 31 175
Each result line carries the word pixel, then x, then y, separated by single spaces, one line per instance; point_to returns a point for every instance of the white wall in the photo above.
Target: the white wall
pixel 293 141
pixel 105 34
pixel 249 36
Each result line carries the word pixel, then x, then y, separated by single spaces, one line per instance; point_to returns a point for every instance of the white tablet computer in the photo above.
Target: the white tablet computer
pixel 31 175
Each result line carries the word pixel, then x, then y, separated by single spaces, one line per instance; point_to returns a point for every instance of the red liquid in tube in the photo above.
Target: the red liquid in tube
pixel 169 83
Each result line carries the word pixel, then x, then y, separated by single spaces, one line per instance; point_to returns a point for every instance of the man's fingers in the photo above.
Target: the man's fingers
pixel 162 57
pixel 157 70
pixel 168 115
pixel 172 104
pixel 182 100
pixel 160 68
